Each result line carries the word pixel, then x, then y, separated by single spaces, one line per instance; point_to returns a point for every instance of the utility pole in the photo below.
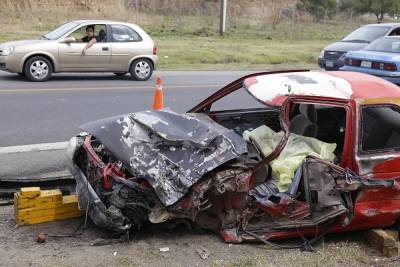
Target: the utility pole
pixel 222 18
pixel 137 11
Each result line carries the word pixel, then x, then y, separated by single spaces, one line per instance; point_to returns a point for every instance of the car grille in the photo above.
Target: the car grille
pixel 332 55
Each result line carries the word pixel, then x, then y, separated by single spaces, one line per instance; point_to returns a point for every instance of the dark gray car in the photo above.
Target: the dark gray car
pixel 332 56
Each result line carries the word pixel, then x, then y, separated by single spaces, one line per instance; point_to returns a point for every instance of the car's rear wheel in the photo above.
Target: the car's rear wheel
pixel 38 69
pixel 141 69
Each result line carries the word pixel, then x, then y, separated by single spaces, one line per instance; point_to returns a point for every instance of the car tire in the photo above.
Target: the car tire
pixel 120 74
pixel 141 69
pixel 38 69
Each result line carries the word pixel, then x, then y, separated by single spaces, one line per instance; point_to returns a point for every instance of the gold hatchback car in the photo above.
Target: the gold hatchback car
pixel 83 46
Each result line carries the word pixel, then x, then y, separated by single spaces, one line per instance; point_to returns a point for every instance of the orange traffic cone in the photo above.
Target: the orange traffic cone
pixel 158 102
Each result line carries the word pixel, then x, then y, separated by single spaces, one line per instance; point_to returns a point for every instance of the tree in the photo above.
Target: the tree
pixel 319 9
pixel 276 8
pixel 377 7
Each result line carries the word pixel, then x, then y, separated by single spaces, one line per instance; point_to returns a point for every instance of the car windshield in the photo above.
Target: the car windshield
pixel 366 34
pixel 391 45
pixel 60 31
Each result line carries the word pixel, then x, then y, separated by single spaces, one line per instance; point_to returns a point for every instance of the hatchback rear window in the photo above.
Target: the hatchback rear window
pixel 121 33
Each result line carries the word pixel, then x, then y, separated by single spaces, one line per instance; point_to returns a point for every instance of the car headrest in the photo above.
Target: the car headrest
pixel 309 112
pixel 102 33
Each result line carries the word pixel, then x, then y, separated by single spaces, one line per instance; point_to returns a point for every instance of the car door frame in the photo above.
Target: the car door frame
pixel 347 154
pixel 379 163
pixel 92 66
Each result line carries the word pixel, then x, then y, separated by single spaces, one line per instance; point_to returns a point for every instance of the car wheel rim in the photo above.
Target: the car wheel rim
pixel 142 69
pixel 39 69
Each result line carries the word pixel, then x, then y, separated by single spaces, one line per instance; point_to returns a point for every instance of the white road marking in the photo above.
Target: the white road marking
pixel 33 148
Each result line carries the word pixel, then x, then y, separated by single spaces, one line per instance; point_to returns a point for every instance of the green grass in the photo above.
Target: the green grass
pixel 192 42
pixel 254 47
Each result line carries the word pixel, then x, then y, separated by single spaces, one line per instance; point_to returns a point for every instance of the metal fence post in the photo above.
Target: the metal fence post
pixel 222 22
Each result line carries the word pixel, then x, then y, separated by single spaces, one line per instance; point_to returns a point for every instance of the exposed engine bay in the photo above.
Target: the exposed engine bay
pixel 157 166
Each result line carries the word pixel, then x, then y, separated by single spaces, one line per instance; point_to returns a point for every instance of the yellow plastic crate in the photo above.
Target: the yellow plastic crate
pixel 30 192
pixel 32 206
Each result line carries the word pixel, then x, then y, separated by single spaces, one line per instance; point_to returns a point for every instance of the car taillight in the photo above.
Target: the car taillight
pixel 384 66
pixel 352 62
pixel 154 50
pixel 390 66
pixel 377 65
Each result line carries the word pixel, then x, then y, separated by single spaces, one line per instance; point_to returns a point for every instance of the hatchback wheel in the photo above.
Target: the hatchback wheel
pixel 38 69
pixel 141 69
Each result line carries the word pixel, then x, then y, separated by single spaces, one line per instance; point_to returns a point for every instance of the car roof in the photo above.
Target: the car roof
pixel 95 21
pixel 384 25
pixel 390 37
pixel 273 89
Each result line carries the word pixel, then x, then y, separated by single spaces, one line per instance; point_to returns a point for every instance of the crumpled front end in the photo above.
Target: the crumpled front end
pixel 133 166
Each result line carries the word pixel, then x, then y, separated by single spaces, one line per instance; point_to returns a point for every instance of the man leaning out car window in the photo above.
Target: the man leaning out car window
pixel 89 38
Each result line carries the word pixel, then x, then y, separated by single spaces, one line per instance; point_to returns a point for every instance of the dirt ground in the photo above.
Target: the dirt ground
pixel 18 247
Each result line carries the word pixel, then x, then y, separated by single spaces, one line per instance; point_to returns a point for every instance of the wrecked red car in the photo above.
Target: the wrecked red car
pixel 315 153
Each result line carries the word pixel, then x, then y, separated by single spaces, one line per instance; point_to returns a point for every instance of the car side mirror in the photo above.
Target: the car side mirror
pixel 68 40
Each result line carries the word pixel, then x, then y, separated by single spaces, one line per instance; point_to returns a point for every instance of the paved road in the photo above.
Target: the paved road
pixel 52 111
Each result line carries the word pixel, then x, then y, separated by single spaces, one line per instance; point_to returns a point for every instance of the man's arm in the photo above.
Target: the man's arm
pixel 89 45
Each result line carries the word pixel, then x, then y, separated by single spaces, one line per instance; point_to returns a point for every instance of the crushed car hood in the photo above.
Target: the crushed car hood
pixel 169 150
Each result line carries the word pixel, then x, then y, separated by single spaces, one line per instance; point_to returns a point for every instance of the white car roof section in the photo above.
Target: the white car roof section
pixel 271 88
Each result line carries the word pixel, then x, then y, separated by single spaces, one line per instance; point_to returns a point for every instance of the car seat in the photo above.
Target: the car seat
pixel 102 36
pixel 305 123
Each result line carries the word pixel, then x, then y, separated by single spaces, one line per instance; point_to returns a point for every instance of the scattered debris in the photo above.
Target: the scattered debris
pixel 164 249
pixel 41 238
pixel 104 242
pixel 203 253
pixel 386 241
pixel 32 206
